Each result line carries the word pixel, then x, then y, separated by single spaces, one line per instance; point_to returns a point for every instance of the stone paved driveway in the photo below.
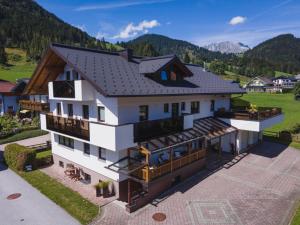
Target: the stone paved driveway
pixel 261 189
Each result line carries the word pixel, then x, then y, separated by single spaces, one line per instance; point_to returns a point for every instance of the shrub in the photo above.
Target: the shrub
pixel 295 129
pixel 44 159
pixel 18 156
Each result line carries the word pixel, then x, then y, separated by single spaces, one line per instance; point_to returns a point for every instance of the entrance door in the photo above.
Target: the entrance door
pixel 175 109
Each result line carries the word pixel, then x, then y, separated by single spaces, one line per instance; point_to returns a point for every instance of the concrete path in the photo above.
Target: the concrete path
pixel 30 141
pixel 261 189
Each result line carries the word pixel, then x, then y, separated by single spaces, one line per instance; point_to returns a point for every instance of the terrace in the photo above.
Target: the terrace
pixel 34 106
pixel 255 114
pixel 68 126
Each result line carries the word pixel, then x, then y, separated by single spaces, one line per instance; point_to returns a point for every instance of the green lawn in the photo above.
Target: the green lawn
pixel 278 73
pixel 18 66
pixel 77 206
pixel 23 135
pixel 233 76
pixel 290 107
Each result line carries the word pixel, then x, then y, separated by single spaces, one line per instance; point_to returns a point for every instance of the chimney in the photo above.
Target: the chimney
pixel 126 54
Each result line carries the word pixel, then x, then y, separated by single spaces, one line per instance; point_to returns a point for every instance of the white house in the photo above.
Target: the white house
pixel 284 82
pixel 142 123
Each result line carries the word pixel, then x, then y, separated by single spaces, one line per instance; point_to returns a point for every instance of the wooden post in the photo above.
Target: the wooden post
pixel 129 192
pixel 171 158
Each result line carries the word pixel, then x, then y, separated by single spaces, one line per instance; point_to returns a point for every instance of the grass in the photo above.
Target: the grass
pixel 233 76
pixel 278 73
pixel 290 107
pixel 43 154
pixel 18 66
pixel 77 206
pixel 23 135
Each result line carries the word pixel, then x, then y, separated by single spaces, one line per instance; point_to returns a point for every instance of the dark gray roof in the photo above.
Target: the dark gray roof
pixel 151 65
pixel 113 75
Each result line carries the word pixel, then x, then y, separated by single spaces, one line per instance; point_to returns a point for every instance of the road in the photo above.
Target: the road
pixel 32 207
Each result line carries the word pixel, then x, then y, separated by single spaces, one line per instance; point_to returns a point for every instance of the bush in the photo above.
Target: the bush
pixel 43 159
pixel 295 129
pixel 18 156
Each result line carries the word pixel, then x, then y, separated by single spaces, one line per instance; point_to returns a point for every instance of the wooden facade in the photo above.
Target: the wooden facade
pixel 34 106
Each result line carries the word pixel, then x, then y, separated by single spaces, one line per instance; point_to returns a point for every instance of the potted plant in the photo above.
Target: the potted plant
pixel 111 189
pixel 105 185
pixel 98 188
pixel 252 109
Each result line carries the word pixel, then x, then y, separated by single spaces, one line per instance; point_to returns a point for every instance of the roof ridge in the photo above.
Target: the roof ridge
pixel 158 57
pixel 84 49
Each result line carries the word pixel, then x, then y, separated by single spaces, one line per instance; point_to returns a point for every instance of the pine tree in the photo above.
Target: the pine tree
pixel 3 58
pixel 186 58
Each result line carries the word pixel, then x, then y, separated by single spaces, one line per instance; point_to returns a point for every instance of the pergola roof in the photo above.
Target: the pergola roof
pixel 208 128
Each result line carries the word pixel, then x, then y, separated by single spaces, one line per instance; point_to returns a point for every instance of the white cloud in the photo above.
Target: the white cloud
pixel 237 20
pixel 81 27
pixel 119 4
pixel 132 30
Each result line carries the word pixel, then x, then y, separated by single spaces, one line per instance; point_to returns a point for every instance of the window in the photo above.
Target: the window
pixel 195 107
pixel 101 113
pixel 68 75
pixel 143 112
pixel 86 148
pixel 182 106
pixel 173 76
pixel 166 107
pixel 58 108
pixel 163 75
pixel 102 153
pixel 212 105
pixel 75 75
pixel 70 110
pixel 61 164
pixel 87 178
pixel 68 142
pixel 85 111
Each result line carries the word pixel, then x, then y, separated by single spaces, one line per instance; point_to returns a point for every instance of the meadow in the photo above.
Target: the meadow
pixel 290 107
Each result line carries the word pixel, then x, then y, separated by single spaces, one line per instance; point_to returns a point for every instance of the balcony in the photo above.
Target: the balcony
pixel 257 120
pixel 261 113
pixel 149 174
pixel 76 90
pixel 155 128
pixel 69 126
pixel 63 89
pixel 34 106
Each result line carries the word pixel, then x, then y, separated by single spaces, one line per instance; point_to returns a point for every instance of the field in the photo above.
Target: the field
pixel 18 66
pixel 290 107
pixel 232 76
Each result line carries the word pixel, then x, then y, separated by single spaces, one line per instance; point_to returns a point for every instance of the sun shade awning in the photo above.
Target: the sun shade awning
pixel 207 128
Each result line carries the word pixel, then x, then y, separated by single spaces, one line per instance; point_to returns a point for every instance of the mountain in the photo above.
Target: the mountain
pixel 281 53
pixel 164 45
pixel 227 47
pixel 26 25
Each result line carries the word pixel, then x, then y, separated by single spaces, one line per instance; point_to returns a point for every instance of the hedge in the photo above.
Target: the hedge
pixel 18 156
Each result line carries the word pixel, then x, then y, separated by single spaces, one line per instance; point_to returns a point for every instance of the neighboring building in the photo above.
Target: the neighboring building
pixel 143 123
pixel 10 94
pixel 283 82
pixel 258 84
pixel 297 78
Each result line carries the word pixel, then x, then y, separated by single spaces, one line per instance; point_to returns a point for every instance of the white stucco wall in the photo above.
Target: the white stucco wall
pixel 91 161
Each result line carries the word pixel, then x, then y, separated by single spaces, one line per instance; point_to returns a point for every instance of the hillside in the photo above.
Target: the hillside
pixel 26 25
pixel 281 53
pixel 17 65
pixel 164 45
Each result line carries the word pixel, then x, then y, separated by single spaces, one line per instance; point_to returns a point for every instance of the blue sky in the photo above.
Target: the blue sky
pixel 198 21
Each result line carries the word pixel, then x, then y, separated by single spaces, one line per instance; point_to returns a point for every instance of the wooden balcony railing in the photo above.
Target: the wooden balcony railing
pixel 243 114
pixel 69 126
pixel 156 128
pixel 148 173
pixel 64 89
pixel 34 106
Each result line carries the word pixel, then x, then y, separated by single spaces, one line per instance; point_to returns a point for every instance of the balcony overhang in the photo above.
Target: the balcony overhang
pixel 254 125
